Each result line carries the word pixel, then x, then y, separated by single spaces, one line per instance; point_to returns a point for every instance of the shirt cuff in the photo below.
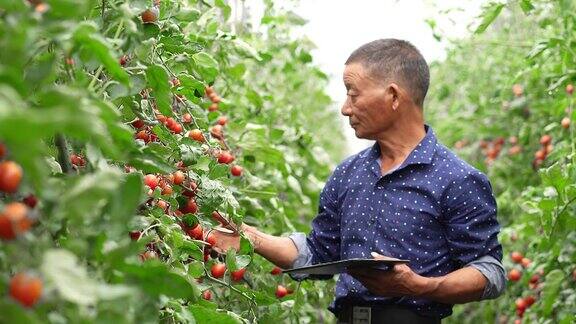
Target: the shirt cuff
pixel 495 275
pixel 304 257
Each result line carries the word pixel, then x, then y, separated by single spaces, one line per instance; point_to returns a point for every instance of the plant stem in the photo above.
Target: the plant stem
pixel 63 157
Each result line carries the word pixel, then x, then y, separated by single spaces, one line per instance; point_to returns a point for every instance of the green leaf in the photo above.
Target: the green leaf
pixel 226 10
pixel 196 269
pixel 204 315
pixel 86 37
pixel 69 8
pixel 157 79
pixel 73 282
pixel 13 313
pixel 526 6
pixel 552 285
pixel 128 197
pixel 231 260
pixel 157 279
pixel 118 90
pixel 206 65
pixel 85 196
pixel 245 49
pixel 188 14
pixel 489 15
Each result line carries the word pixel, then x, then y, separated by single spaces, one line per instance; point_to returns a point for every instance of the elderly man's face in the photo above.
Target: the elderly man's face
pixel 368 103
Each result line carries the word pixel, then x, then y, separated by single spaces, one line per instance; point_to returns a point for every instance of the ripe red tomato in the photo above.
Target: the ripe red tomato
pixel 2 150
pixel 138 123
pixel 196 232
pixel 162 204
pixel 276 271
pixel 26 289
pixel 167 189
pixel 236 170
pixel 196 135
pixel 534 279
pixel 176 128
pixel 216 131
pixel 143 135
pixel 213 107
pixel 123 60
pixel 211 239
pixel 514 275
pixel 161 118
pixel 206 294
pixel 215 98
pixel 209 90
pixel 521 304
pixel 148 255
pixel 514 150
pixel 281 291
pixel 135 235
pixel 222 120
pixel 77 160
pixel 14 220
pixel 238 274
pixel 218 270
pixel 526 262
pixel 151 181
pixel 190 208
pixel 545 140
pixel 225 158
pixel 150 15
pixel 178 177
pixel 529 300
pixel 30 200
pixel 516 257
pixel 540 155
pixel 10 176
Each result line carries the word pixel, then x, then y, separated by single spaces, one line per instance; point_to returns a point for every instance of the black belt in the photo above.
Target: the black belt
pixel 383 314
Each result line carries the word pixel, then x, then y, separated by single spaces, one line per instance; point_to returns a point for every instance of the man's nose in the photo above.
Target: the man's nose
pixel 346 108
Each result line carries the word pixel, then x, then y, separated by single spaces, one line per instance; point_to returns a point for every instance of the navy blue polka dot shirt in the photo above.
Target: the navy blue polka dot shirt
pixel 434 209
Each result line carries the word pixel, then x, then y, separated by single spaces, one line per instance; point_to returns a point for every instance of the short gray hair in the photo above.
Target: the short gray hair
pixel 395 60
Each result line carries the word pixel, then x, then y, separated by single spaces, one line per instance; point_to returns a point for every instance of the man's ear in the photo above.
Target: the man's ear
pixel 394 93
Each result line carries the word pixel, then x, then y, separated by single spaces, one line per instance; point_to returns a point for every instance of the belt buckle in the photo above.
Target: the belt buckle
pixel 361 315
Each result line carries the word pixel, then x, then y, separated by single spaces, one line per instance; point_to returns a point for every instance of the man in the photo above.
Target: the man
pixel 406 197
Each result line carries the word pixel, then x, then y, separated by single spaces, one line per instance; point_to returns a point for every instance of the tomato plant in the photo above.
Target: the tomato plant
pixel 502 90
pixel 124 127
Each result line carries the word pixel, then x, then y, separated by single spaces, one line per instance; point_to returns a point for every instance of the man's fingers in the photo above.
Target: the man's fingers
pixel 224 230
pixel 378 256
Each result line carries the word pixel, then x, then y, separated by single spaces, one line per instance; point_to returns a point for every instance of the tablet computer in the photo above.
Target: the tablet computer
pixel 331 268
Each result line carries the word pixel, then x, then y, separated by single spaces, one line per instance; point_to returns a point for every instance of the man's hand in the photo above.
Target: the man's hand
pixel 458 287
pixel 279 250
pixel 399 281
pixel 225 239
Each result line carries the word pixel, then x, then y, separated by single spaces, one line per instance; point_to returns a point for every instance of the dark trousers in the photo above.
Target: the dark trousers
pixel 384 314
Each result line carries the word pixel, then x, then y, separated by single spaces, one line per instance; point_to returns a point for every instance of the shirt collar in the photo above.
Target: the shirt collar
pixel 421 154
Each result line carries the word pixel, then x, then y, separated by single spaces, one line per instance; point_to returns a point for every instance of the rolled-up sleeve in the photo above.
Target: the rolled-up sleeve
pixel 304 257
pixel 495 275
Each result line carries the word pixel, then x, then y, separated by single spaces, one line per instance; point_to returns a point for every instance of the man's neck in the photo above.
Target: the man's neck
pixel 398 141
